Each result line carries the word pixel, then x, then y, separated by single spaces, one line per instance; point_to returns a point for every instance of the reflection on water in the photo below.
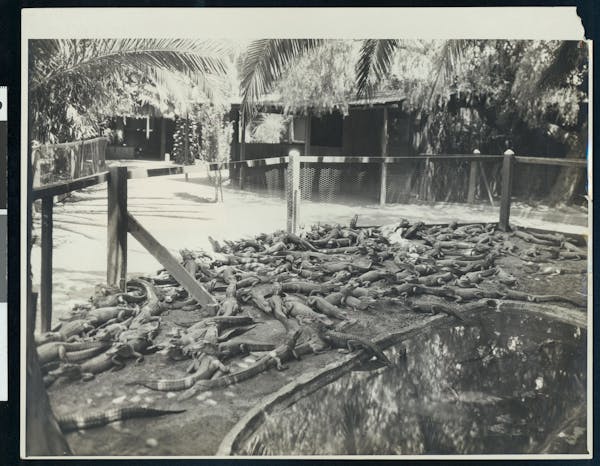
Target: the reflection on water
pixel 513 383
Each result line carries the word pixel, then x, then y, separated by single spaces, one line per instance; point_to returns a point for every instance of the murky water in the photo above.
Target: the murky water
pixel 512 383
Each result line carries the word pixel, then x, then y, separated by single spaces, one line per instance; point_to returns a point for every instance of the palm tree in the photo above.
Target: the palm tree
pixel 78 72
pixel 88 76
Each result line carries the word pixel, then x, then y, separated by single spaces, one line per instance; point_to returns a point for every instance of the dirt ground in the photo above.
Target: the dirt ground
pixel 180 215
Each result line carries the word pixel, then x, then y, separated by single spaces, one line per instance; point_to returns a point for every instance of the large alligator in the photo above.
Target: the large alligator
pixel 349 342
pixel 74 422
pixel 275 358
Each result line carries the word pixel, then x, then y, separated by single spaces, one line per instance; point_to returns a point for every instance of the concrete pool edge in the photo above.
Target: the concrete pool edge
pixel 316 379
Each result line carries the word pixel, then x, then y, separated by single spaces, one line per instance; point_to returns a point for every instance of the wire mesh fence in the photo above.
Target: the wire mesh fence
pixel 450 181
pixel 53 163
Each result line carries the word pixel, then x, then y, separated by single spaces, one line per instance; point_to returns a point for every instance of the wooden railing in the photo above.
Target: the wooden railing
pixel 121 221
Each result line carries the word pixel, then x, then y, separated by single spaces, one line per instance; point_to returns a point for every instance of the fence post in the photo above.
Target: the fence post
pixel 384 153
pixel 116 270
pixel 473 177
pixel 383 186
pixel 293 191
pixel 242 153
pixel 46 275
pixel 507 174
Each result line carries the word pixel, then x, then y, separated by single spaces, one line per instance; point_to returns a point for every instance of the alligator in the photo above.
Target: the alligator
pixel 231 349
pixel 435 308
pixel 74 328
pixel 103 315
pixel 275 358
pixel 111 359
pixel 140 340
pixel 221 321
pixel 349 342
pixel 151 310
pixel 296 308
pixel 207 367
pixel 70 371
pixel 72 422
pixel 83 354
pixel 52 351
pixel 325 307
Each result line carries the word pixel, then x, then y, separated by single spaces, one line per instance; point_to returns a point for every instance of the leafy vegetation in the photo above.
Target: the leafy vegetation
pixel 74 85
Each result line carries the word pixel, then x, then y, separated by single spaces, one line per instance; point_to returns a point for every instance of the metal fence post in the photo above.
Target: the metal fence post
pixel 293 191
pixel 473 177
pixel 116 270
pixel 507 174
pixel 46 274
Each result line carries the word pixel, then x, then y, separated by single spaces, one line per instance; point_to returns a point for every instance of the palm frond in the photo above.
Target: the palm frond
pixel 57 59
pixel 264 62
pixel 448 64
pixel 374 64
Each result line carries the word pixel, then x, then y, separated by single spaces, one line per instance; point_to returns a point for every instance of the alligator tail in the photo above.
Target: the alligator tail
pixel 85 421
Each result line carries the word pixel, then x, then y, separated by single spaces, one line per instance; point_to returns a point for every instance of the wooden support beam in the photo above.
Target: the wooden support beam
pixel 116 260
pixel 384 153
pixel 507 174
pixel 46 275
pixel 293 191
pixel 166 259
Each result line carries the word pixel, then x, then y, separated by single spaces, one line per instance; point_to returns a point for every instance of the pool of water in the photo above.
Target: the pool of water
pixel 510 383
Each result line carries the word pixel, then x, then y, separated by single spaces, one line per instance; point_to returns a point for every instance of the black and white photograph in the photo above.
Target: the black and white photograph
pixel 300 246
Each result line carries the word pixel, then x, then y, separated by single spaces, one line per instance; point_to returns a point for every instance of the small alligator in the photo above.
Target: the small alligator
pixel 151 310
pixel 297 309
pixel 327 308
pixel 107 360
pixel 235 348
pixel 103 315
pixel 208 366
pixel 350 342
pixel 54 350
pixel 275 358
pixel 72 422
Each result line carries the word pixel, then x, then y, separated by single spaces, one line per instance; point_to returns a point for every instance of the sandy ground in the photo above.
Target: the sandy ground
pixel 182 214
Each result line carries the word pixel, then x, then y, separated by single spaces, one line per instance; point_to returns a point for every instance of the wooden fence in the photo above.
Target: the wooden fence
pixel 121 221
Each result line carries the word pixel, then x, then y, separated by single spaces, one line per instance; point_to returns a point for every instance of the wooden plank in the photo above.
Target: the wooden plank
pixel 473 177
pixel 162 255
pixel 551 161
pixel 116 258
pixel 507 174
pixel 46 272
pixel 57 189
